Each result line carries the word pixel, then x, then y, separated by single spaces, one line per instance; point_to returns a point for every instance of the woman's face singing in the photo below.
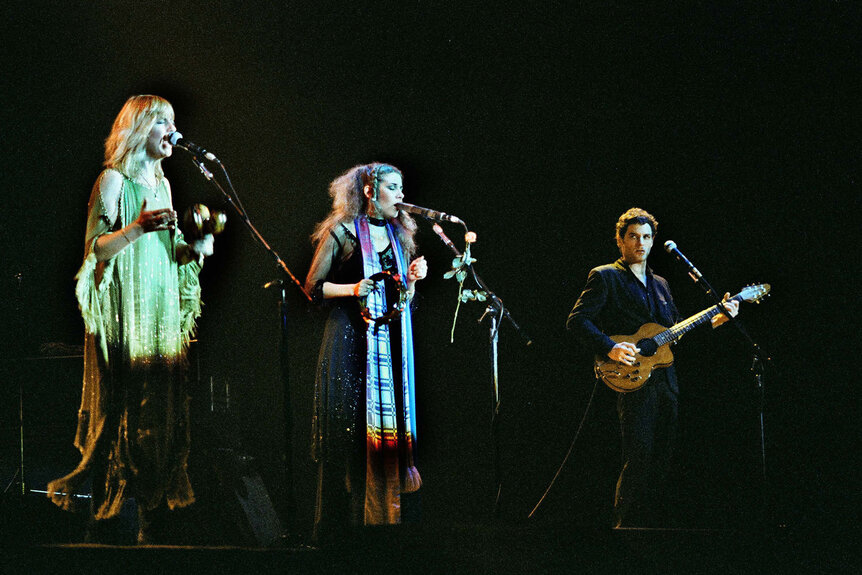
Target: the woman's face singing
pixel 390 191
pixel 157 146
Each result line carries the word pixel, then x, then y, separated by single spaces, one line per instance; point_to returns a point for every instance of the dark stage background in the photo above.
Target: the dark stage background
pixel 538 124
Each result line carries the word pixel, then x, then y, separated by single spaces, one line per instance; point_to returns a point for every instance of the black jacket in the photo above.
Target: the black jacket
pixel 615 302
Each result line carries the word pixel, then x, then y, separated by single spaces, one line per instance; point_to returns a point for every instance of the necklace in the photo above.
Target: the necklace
pixel 154 186
pixel 376 222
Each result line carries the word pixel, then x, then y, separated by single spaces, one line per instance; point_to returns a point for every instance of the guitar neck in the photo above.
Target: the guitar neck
pixel 676 331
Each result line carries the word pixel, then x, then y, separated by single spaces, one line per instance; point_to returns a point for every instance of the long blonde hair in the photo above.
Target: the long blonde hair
pixel 130 131
pixel 349 201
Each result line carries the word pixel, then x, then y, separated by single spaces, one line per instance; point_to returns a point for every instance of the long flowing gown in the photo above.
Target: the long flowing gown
pixel 139 310
pixel 347 467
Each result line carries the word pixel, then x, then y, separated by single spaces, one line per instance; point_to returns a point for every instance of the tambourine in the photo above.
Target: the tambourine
pixel 395 307
pixel 198 221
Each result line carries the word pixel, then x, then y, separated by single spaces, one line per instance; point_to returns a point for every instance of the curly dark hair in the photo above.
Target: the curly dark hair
pixel 349 201
pixel 635 216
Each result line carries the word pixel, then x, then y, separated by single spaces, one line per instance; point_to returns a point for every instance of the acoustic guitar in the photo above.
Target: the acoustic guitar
pixel 654 342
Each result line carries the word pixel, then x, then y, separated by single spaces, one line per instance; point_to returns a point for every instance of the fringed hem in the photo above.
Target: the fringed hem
pixel 412 480
pixel 91 282
pixel 86 292
pixel 188 325
pixel 190 300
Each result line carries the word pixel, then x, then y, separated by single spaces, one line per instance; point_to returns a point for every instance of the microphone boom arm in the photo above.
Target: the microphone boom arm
pixel 234 201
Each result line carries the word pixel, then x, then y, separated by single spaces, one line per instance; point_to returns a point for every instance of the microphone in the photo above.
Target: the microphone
pixel 176 139
pixel 670 247
pixel 430 214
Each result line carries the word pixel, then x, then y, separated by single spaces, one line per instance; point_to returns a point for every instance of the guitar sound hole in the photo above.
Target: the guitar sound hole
pixel 648 347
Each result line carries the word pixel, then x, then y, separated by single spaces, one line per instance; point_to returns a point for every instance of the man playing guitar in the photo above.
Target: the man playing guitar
pixel 618 299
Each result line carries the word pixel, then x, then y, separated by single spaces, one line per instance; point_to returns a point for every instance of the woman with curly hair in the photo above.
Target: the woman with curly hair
pixel 139 295
pixel 364 426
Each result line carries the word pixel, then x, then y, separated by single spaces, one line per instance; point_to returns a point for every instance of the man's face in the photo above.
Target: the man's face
pixel 636 243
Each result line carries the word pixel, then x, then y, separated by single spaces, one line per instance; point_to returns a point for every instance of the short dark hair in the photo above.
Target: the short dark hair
pixel 638 217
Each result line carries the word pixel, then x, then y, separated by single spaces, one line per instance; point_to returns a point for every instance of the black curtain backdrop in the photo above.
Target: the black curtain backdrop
pixel 736 124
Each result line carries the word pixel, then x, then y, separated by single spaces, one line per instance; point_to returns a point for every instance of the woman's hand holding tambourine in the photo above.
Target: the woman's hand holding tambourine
pixel 200 226
pixel 363 287
pixel 205 246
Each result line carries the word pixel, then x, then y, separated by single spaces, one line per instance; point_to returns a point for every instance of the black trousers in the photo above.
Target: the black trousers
pixel 648 426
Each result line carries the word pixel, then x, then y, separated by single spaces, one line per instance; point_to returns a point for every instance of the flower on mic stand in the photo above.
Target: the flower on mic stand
pixel 460 267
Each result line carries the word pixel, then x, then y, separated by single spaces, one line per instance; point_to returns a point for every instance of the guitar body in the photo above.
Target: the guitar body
pixel 654 342
pixel 625 378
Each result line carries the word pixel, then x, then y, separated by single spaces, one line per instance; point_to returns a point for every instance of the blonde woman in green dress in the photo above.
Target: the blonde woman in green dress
pixel 139 296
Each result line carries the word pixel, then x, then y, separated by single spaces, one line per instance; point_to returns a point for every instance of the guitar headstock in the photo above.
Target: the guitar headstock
pixel 755 293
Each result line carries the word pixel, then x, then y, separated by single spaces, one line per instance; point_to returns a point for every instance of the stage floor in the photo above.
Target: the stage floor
pixel 528 548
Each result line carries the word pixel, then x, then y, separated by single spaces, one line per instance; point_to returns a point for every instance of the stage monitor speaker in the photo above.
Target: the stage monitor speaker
pixel 246 501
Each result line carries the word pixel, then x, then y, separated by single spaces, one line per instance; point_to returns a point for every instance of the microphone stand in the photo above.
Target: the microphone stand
pixel 18 478
pixel 757 368
pixel 496 312
pixel 288 504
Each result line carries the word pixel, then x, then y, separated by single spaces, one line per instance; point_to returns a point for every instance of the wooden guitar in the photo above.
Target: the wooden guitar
pixel 654 342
